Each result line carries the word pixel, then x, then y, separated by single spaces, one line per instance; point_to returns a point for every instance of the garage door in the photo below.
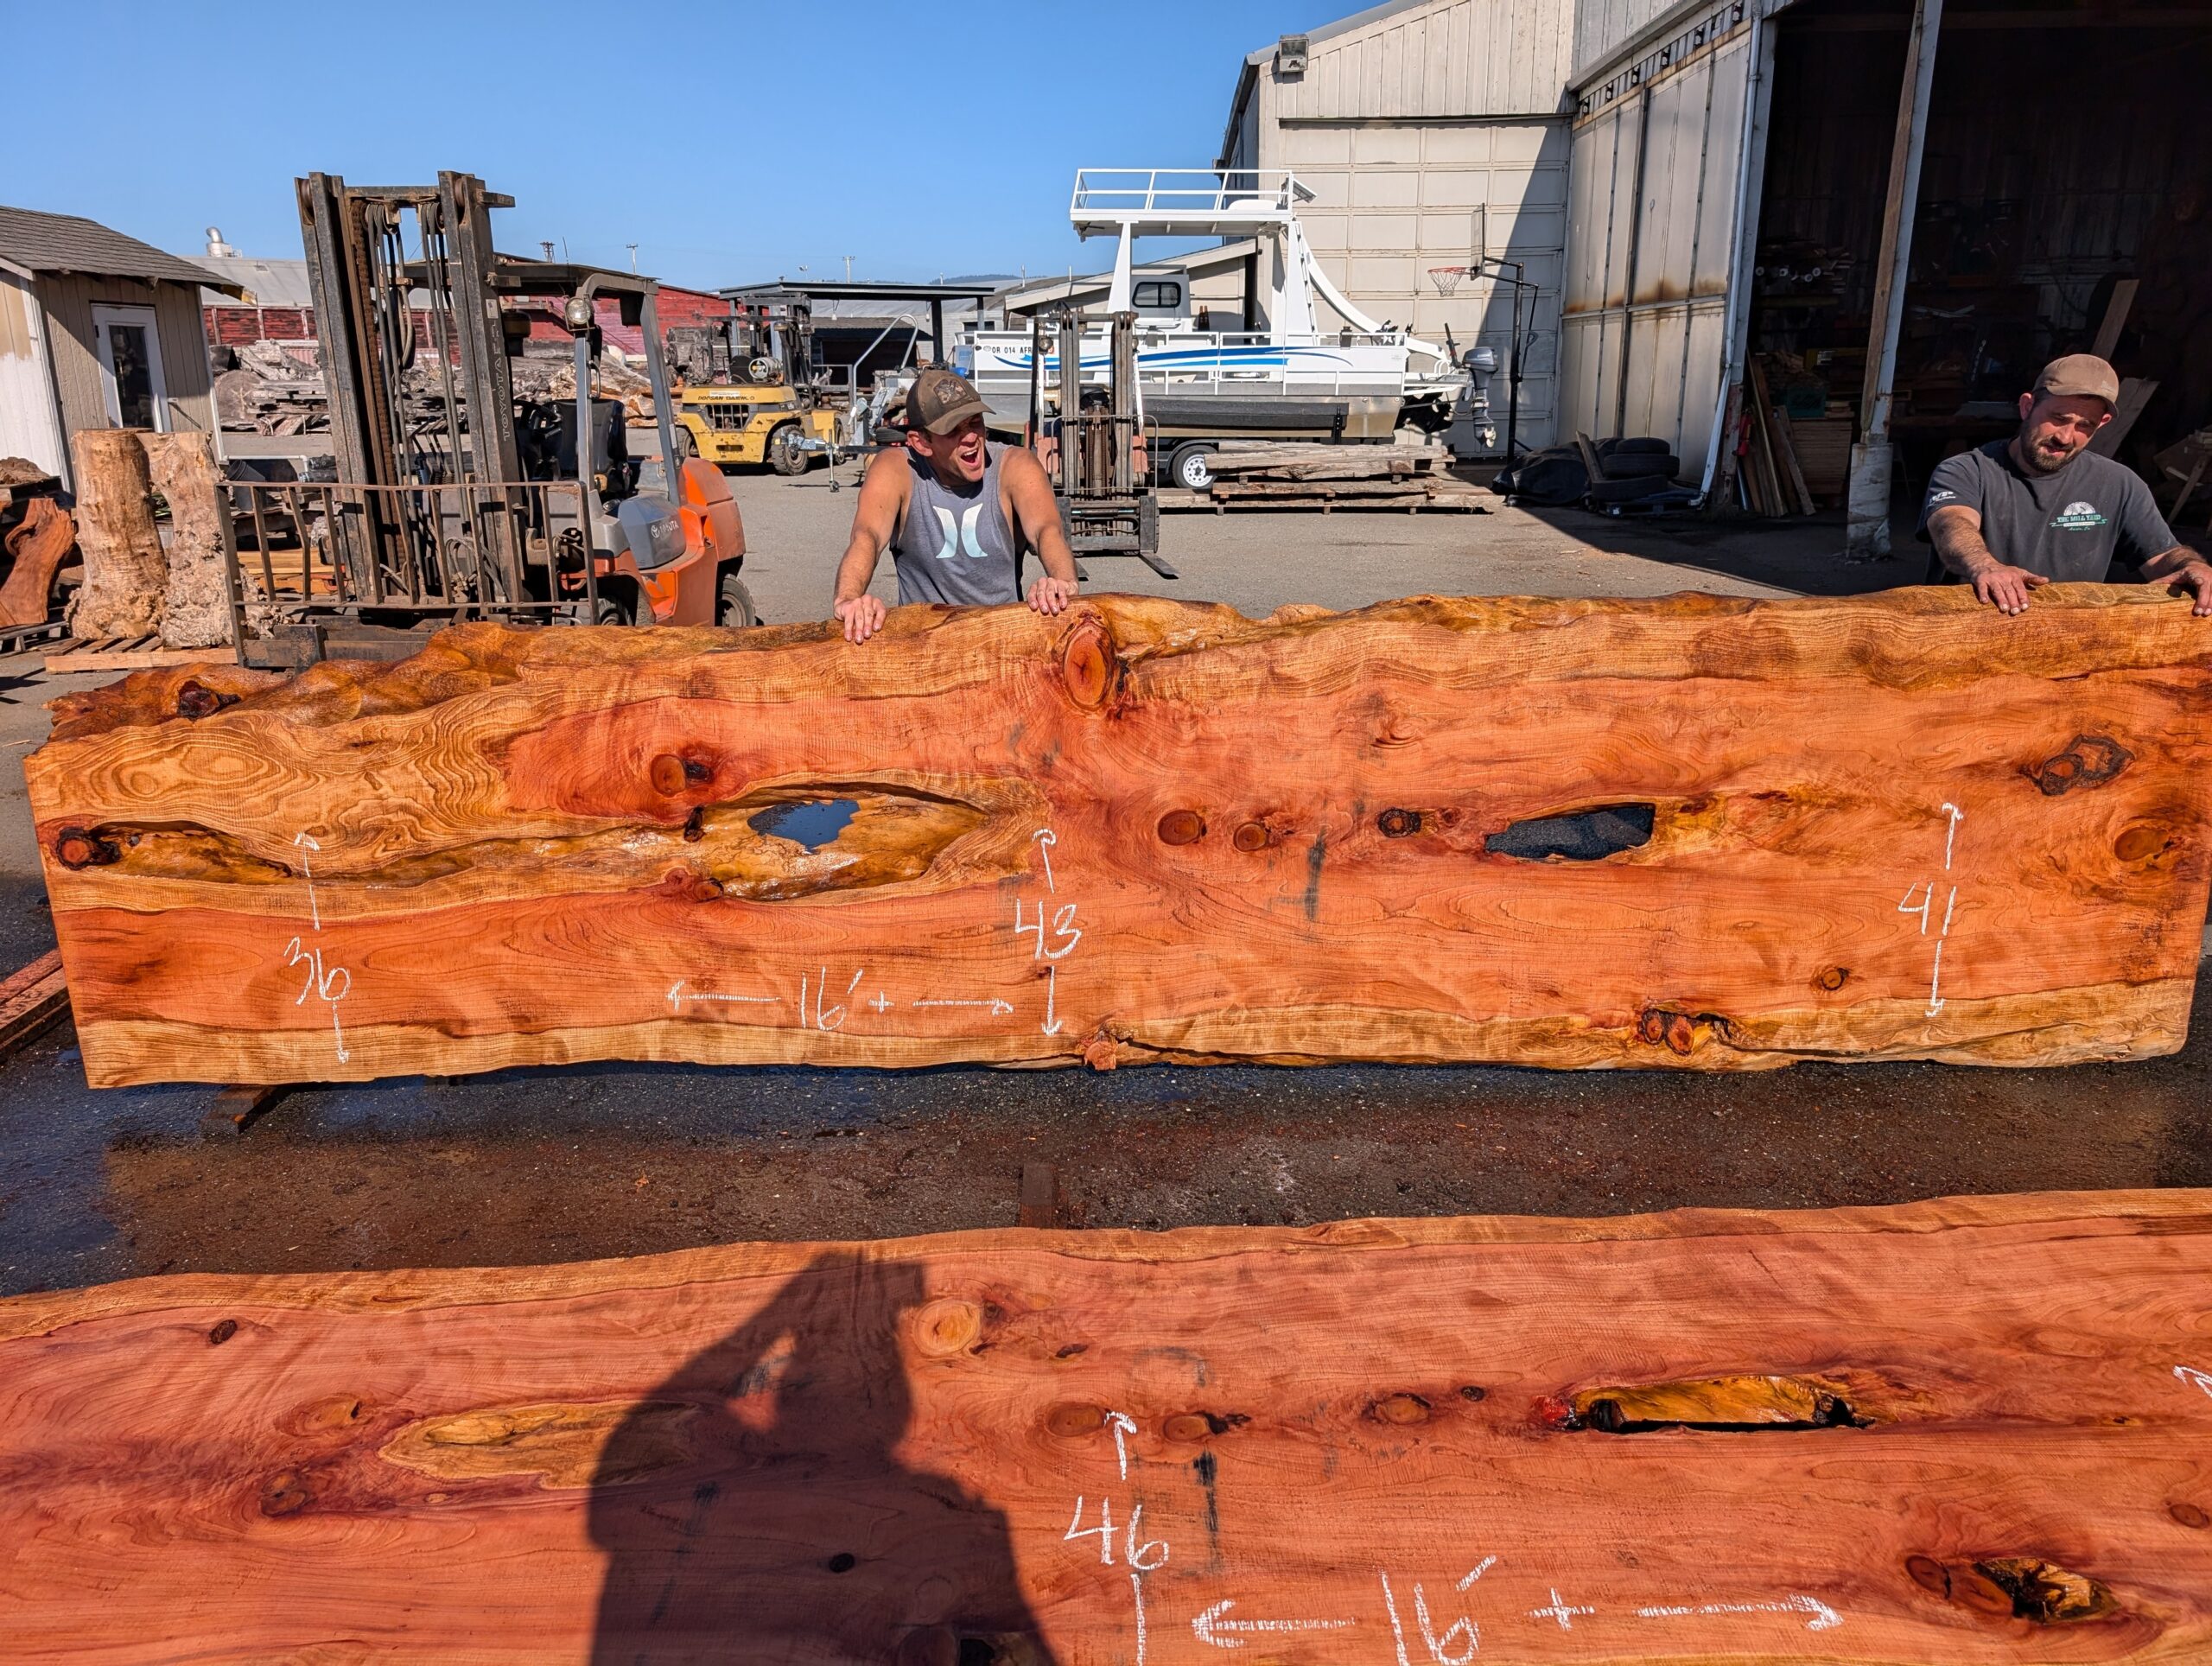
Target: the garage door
pixel 1661 169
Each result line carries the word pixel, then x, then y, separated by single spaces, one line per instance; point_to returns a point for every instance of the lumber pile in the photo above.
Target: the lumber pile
pixel 1291 475
pixel 1946 1432
pixel 1699 831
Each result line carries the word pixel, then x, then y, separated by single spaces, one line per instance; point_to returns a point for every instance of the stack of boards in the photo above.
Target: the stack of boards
pixel 1971 1431
pixel 1288 475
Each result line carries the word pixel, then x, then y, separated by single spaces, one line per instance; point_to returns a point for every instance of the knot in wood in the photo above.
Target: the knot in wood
pixel 2143 840
pixel 1403 1409
pixel 1087 663
pixel 1070 1420
pixel 948 1325
pixel 194 699
pixel 1399 823
pixel 82 847
pixel 1832 977
pixel 1250 836
pixel 2088 761
pixel 1182 827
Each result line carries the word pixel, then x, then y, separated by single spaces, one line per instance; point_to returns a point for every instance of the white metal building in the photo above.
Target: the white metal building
pixel 1431 131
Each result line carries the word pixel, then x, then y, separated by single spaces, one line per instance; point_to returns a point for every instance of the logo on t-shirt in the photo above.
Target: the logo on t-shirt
pixel 2077 516
pixel 1941 494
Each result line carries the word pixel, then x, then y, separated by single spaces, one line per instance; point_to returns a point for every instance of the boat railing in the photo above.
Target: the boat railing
pixel 1173 193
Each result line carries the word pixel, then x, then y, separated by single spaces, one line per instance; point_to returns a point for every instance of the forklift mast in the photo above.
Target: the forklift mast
pixel 1107 507
pixel 363 285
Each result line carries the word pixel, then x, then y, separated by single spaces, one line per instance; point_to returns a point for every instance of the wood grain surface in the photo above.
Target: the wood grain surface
pixel 1698 832
pixel 1975 1430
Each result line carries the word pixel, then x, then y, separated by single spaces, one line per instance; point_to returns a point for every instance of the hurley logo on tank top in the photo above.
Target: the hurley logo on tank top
pixel 2077 516
pixel 964 544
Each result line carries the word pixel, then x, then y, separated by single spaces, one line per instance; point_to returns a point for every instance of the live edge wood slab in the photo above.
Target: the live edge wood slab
pixel 1699 831
pixel 1974 1430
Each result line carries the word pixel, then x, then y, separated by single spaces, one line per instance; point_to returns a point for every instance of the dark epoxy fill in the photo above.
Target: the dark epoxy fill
pixel 815 823
pixel 1588 836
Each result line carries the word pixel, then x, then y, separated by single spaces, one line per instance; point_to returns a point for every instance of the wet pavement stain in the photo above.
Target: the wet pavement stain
pixel 611 1160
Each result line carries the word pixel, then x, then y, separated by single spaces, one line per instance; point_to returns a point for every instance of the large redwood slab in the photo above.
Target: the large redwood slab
pixel 1694 832
pixel 1971 1431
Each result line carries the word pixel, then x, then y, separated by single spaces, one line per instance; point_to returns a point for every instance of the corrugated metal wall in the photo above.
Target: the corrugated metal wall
pixel 1602 28
pixel 1451 58
pixel 70 298
pixel 1658 181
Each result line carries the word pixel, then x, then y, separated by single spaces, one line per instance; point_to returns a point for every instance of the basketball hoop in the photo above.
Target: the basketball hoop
pixel 1446 278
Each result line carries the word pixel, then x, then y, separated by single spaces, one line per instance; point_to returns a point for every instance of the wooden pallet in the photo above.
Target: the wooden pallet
pixel 133 653
pixel 32 1000
pixel 1956 1432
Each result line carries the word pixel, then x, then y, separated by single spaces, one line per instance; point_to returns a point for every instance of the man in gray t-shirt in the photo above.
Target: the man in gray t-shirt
pixel 2017 514
pixel 955 512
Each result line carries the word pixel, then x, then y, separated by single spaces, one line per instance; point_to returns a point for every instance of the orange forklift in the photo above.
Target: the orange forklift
pixel 452 499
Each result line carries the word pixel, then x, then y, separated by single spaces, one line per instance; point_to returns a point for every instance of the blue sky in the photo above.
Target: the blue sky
pixel 730 143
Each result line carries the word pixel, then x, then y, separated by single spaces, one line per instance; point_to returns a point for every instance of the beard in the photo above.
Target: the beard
pixel 2040 461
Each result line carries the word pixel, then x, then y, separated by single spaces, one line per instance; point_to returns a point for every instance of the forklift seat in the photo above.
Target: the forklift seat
pixel 710 513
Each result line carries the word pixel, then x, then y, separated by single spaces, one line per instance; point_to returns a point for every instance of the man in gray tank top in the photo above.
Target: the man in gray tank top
pixel 955 510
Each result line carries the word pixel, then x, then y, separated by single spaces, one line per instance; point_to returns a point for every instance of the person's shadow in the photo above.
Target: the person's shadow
pixel 752 1507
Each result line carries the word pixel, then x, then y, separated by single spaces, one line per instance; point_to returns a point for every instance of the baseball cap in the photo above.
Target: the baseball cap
pixel 2082 374
pixel 941 400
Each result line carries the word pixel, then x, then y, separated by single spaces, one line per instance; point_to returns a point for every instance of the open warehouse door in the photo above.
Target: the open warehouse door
pixel 2061 206
pixel 1741 185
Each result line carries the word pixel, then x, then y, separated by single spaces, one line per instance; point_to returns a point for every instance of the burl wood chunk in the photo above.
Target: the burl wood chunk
pixel 1693 833
pixel 1020 1446
pixel 126 574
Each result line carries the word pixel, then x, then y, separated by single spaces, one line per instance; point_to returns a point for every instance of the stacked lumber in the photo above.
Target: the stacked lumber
pixel 1957 1431
pixel 1293 475
pixel 1699 831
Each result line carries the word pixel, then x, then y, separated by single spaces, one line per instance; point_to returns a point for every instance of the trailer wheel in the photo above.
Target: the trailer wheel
pixel 783 454
pixel 734 603
pixel 1189 468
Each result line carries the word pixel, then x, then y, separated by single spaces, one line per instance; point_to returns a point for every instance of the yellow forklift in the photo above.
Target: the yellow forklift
pixel 746 393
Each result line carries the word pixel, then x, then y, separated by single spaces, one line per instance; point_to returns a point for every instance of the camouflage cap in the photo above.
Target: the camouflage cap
pixel 941 400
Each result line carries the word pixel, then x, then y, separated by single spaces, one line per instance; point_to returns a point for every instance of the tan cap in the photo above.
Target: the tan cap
pixel 2080 374
pixel 941 400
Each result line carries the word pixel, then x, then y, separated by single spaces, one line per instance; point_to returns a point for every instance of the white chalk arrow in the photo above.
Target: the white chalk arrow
pixel 1821 1617
pixel 1122 1423
pixel 1211 1627
pixel 2190 1374
pixel 677 997
pixel 303 844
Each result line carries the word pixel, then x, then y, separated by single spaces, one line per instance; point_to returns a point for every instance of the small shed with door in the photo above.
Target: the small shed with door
pixel 96 330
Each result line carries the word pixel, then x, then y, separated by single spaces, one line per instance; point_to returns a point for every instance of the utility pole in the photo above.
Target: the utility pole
pixel 633 248
pixel 546 244
pixel 849 269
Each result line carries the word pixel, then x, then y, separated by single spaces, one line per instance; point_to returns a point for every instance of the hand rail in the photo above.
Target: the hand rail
pixel 1187 190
